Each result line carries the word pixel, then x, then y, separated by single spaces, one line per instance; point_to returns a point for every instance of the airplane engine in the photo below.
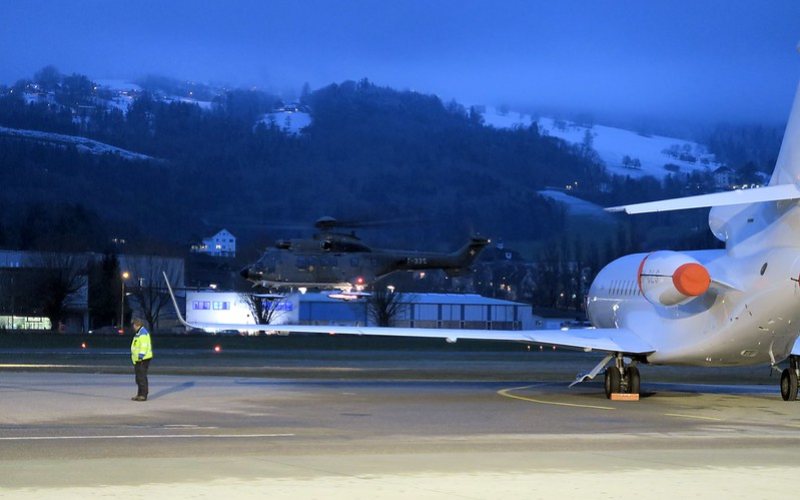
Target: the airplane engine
pixel 670 278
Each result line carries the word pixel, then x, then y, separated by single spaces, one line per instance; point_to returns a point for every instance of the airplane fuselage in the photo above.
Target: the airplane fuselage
pixel 752 318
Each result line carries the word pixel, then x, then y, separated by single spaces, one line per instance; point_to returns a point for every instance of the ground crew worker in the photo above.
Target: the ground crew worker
pixel 141 354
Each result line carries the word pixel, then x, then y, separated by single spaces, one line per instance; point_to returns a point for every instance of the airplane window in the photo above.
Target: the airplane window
pixel 763 269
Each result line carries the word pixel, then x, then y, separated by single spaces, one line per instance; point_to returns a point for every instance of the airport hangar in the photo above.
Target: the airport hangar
pixel 417 310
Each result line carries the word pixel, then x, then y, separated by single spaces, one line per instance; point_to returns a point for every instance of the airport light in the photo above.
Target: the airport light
pixel 125 275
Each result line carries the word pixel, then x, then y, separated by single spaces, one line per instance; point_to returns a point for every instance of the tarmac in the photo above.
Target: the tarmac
pixel 356 425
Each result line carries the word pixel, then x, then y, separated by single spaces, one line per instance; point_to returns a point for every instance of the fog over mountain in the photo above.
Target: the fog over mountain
pixel 677 60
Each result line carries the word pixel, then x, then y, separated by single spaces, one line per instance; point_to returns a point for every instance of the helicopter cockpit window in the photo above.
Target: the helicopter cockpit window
pixel 268 262
pixel 350 246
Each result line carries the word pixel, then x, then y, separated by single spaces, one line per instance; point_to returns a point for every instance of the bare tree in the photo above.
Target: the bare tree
pixel 60 277
pixel 147 289
pixel 384 304
pixel 264 310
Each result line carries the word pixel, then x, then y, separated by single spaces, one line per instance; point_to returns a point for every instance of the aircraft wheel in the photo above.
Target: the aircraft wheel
pixel 789 384
pixel 613 381
pixel 633 379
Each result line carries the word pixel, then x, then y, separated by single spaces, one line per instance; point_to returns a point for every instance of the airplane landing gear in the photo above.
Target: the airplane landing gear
pixel 789 380
pixel 613 381
pixel 621 378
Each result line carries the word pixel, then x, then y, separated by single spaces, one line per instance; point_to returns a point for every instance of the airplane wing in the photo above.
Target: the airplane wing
pixel 741 196
pixel 588 339
pixel 796 348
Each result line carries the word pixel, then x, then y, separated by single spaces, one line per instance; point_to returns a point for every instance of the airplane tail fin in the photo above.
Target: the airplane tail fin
pixel 787 167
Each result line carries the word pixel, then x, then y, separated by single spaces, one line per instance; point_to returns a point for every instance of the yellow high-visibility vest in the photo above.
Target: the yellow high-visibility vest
pixel 141 347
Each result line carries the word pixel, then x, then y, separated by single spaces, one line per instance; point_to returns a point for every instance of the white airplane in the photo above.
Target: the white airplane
pixel 731 307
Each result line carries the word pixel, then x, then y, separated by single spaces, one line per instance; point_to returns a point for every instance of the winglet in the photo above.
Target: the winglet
pixel 175 302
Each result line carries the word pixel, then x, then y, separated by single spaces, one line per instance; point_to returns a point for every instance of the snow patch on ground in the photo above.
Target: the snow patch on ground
pixel 575 206
pixel 496 118
pixel 292 122
pixel 647 154
pixel 83 144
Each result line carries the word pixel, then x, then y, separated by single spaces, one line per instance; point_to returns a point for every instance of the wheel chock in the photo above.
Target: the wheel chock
pixel 624 396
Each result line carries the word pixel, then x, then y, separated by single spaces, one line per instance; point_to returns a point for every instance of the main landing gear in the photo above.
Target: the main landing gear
pixel 789 380
pixel 621 378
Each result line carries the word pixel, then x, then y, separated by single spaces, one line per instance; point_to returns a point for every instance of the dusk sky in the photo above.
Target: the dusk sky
pixel 729 60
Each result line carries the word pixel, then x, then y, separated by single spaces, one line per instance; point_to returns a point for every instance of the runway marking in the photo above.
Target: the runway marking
pixel 699 417
pixel 18 365
pixel 507 393
pixel 188 426
pixel 146 436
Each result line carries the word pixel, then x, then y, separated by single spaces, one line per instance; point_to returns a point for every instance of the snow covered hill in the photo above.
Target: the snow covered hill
pixel 624 152
pixel 576 206
pixel 83 144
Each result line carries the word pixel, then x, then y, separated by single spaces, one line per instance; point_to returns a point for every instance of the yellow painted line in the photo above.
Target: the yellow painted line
pixel 698 417
pixel 507 393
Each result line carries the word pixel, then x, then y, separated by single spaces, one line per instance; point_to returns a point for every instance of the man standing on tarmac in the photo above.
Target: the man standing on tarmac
pixel 141 354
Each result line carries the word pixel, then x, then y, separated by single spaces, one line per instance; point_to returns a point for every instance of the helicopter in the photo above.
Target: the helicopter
pixel 337 260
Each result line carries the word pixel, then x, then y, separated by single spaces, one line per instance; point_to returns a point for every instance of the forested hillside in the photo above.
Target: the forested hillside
pixel 370 152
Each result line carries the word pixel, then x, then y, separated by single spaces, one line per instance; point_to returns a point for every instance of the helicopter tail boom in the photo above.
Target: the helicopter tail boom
pixel 453 264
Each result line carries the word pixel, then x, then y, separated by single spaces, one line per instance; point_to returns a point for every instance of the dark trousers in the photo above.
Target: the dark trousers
pixel 140 369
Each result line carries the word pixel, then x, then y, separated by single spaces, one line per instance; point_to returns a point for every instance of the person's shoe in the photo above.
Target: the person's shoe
pixel 139 398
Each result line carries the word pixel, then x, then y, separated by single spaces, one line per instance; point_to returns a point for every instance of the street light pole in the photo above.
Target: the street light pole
pixel 125 275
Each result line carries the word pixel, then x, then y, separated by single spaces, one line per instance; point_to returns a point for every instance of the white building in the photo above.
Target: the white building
pixel 222 244
pixel 723 177
pixel 423 310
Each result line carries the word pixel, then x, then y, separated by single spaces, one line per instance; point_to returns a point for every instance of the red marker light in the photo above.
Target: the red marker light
pixel 83 345
pixel 217 348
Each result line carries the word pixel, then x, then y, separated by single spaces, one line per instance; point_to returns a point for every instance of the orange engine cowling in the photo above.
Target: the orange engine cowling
pixel 670 278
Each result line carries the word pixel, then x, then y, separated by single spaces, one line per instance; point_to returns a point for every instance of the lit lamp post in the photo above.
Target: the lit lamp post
pixel 125 275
